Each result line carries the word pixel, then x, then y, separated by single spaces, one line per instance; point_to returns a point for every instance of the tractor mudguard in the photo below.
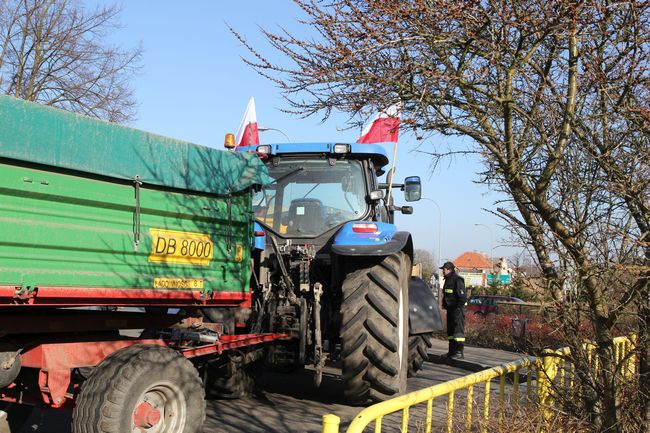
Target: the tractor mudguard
pixel 424 312
pixel 384 241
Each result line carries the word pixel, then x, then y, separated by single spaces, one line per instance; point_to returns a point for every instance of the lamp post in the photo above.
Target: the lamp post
pixel 491 248
pixel 439 228
pixel 265 129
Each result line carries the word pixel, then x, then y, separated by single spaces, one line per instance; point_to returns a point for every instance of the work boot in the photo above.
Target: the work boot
pixel 458 351
pixel 452 348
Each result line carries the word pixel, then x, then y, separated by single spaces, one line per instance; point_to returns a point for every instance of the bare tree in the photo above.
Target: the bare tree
pixel 554 95
pixel 428 263
pixel 55 52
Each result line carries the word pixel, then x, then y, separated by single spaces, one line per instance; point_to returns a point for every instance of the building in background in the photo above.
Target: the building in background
pixel 474 267
pixel 477 270
pixel 502 273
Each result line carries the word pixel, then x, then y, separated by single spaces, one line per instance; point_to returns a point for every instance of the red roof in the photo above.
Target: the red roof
pixel 473 260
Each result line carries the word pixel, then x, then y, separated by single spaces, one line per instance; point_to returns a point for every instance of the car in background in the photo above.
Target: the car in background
pixel 482 305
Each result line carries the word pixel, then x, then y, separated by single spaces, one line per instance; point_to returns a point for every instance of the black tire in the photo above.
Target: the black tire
pixel 374 330
pixel 230 380
pixel 130 377
pixel 418 347
pixel 222 315
pixel 9 364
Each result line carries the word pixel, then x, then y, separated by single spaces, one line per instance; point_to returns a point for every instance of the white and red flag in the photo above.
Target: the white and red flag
pixel 383 128
pixel 248 134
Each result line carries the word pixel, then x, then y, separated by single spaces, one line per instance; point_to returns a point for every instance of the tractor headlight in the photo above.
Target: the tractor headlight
pixel 342 148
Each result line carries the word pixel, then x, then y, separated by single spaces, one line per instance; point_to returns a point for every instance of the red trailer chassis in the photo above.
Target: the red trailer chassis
pixel 55 342
pixel 56 360
pixel 58 340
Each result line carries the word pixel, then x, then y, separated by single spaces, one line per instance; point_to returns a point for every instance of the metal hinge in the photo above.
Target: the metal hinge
pixel 136 222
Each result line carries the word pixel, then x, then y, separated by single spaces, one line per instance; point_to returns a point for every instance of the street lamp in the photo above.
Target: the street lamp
pixel 439 227
pixel 264 129
pixel 491 247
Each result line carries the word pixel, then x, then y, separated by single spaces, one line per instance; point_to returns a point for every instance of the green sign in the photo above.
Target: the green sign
pixel 503 279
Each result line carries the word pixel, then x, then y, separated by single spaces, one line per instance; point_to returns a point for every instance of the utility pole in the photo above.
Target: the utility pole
pixel 491 248
pixel 439 228
pixel 265 129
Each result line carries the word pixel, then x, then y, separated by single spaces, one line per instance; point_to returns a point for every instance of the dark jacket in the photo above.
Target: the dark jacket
pixel 453 292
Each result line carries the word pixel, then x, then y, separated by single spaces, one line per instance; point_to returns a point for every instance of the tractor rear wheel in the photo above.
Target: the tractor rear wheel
pixel 142 387
pixel 230 379
pixel 374 329
pixel 418 347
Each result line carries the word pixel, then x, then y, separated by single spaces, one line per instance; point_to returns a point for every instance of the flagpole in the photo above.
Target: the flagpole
pixel 392 170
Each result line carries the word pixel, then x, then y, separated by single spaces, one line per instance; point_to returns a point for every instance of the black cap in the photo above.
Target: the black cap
pixel 448 265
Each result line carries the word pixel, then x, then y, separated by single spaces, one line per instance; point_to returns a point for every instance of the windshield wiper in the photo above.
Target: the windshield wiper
pixel 345 196
pixel 291 173
pixel 310 191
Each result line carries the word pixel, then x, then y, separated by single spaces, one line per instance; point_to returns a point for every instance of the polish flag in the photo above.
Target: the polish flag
pixel 248 134
pixel 383 128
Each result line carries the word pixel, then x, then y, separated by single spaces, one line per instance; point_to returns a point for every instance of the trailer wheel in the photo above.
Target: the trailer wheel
pixel 230 380
pixel 374 330
pixel 9 364
pixel 141 388
pixel 418 347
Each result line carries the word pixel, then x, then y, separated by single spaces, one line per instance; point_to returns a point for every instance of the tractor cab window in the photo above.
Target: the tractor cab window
pixel 310 196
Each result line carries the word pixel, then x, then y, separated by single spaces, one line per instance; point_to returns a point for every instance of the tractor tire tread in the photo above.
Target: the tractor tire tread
pixel 369 330
pixel 230 383
pixel 418 347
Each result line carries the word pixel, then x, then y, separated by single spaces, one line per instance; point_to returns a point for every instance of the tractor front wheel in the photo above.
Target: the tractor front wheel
pixel 374 329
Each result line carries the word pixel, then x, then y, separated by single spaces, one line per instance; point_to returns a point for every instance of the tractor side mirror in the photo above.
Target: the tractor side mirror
pixel 412 188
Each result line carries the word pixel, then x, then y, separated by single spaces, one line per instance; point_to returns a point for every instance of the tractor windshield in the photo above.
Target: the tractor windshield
pixel 310 196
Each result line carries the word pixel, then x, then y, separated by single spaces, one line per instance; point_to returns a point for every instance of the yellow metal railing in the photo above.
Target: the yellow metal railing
pixel 552 372
pixel 557 371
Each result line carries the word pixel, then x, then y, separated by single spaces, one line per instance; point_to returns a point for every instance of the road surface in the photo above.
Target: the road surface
pixel 288 402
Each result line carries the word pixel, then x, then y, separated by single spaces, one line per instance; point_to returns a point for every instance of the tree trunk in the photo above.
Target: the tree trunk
pixel 644 359
pixel 607 378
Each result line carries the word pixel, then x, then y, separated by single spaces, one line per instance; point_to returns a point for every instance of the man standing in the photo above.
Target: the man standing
pixel 453 300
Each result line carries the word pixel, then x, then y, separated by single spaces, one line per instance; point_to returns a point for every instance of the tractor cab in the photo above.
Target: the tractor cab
pixel 319 187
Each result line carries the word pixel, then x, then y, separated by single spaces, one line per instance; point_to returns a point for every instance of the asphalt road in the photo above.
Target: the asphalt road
pixel 288 402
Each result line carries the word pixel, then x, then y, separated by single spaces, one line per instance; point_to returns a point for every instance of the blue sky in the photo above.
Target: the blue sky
pixel 194 86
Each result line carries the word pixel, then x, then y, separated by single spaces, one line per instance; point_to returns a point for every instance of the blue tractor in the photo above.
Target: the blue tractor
pixel 332 271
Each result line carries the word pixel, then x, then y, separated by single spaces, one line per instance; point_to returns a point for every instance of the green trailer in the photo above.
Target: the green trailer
pixel 96 216
pixel 93 213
